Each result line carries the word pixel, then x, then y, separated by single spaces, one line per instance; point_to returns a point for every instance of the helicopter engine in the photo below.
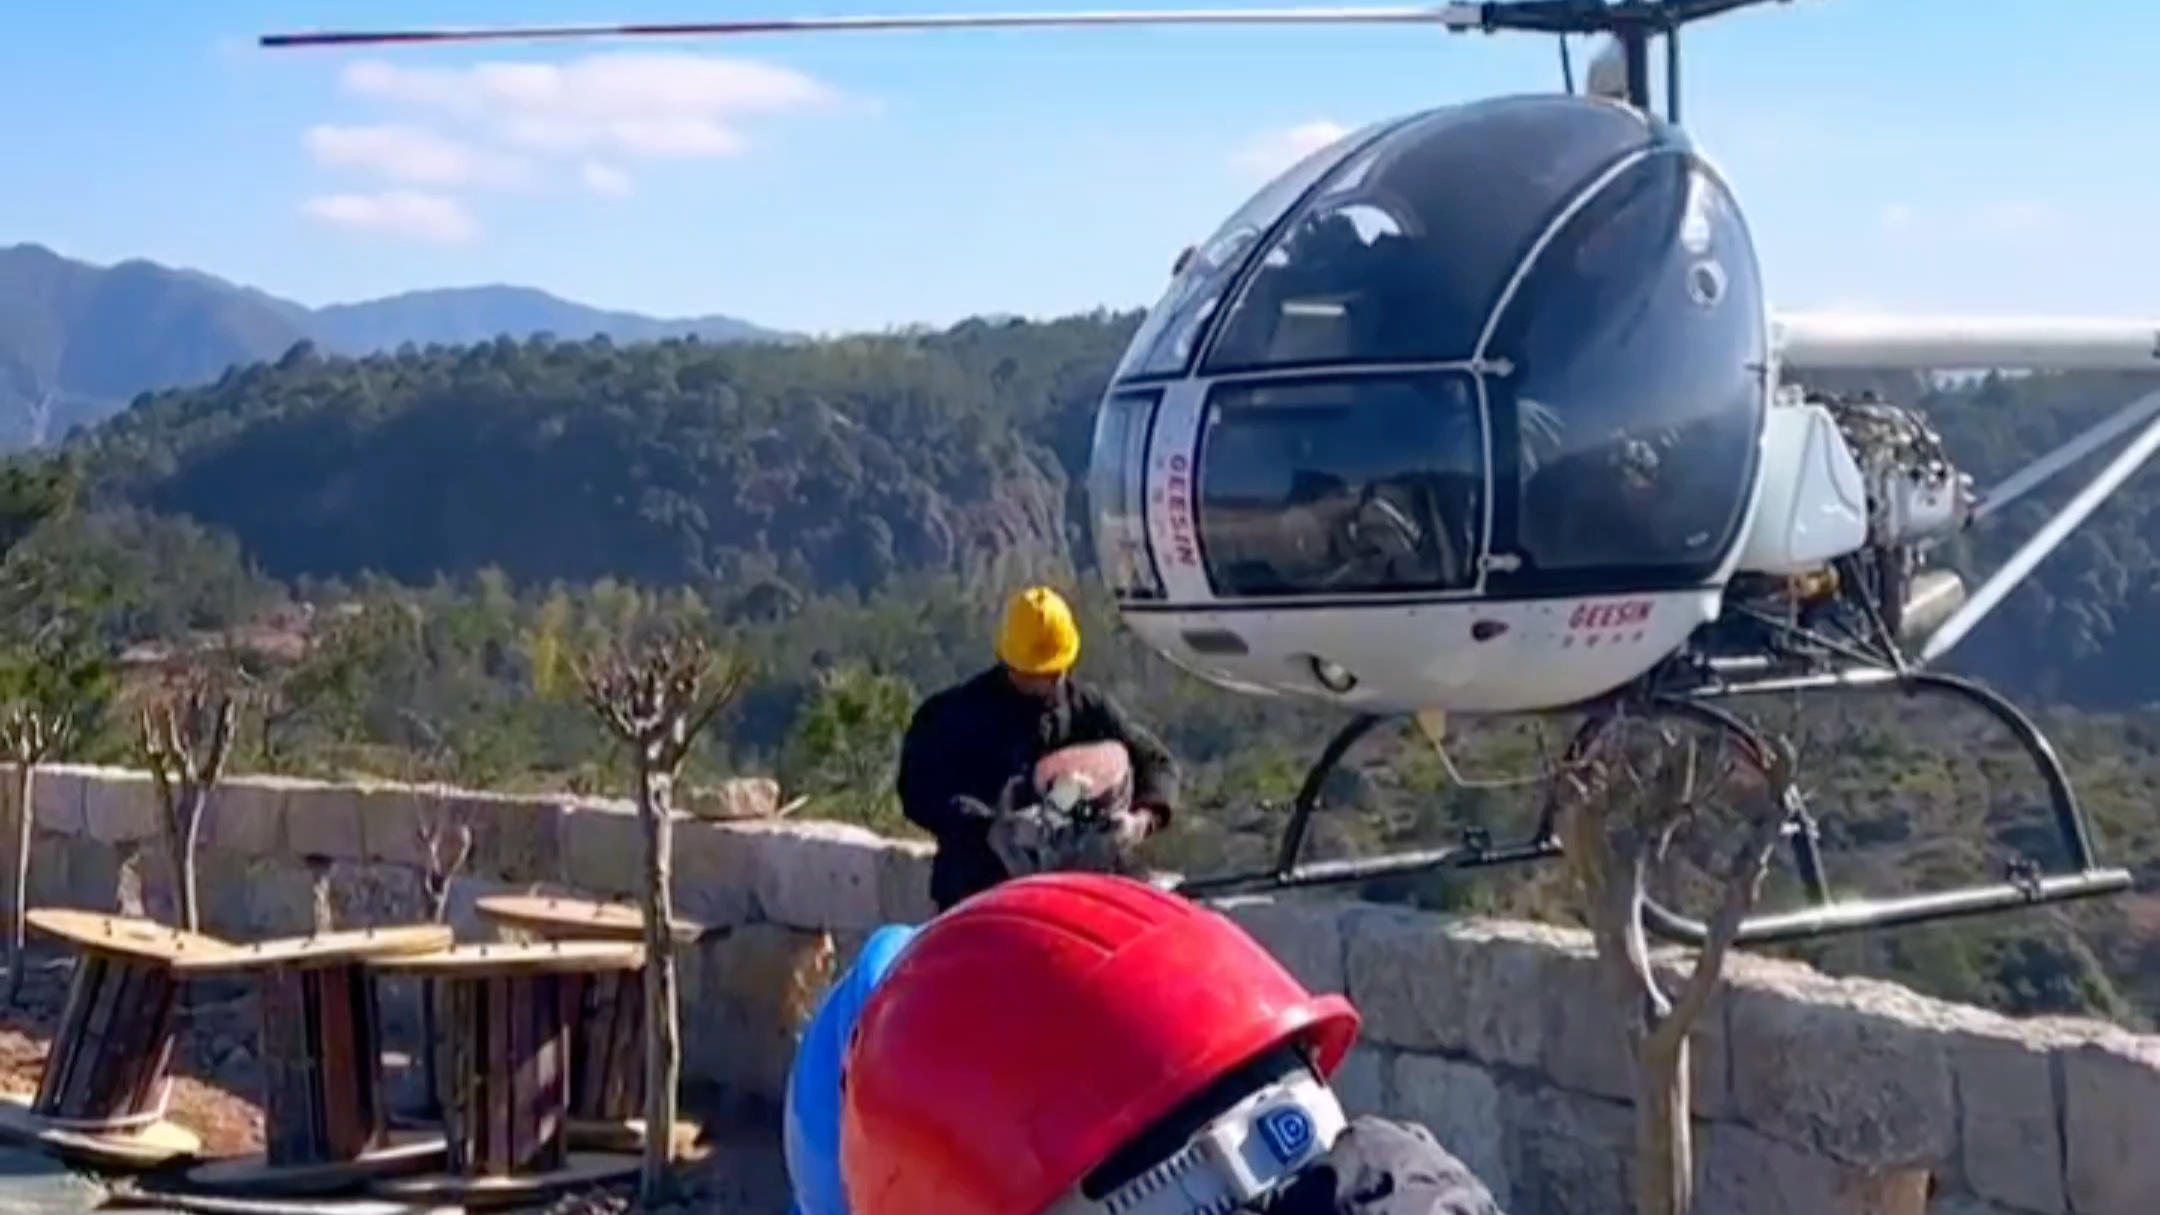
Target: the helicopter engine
pixel 1914 493
pixel 1862 482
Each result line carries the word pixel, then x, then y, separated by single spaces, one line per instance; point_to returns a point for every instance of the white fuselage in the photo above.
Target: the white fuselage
pixel 1467 652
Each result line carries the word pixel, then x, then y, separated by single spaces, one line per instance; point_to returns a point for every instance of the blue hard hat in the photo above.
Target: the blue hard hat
pixel 810 1122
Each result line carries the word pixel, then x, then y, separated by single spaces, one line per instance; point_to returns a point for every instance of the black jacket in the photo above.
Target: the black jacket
pixel 1379 1167
pixel 966 743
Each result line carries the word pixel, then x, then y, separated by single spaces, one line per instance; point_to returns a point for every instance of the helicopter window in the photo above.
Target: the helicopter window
pixel 1341 487
pixel 1117 487
pixel 1164 343
pixel 1401 254
pixel 1639 347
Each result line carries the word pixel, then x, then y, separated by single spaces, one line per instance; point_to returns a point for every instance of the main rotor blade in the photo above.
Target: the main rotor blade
pixel 1451 16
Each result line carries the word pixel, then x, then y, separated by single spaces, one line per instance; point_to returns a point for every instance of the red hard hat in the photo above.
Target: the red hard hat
pixel 1033 1030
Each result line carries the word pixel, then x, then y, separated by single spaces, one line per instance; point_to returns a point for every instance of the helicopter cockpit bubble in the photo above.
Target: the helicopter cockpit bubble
pixel 1491 360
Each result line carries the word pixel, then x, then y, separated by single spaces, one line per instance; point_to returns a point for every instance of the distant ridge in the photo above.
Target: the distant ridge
pixel 78 340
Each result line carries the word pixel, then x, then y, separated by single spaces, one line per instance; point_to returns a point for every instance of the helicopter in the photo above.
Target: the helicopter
pixel 1482 411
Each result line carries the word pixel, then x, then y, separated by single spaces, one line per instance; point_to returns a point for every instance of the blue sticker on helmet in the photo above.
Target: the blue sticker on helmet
pixel 1288 1132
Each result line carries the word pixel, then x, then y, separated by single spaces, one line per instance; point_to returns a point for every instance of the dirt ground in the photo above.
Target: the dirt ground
pixel 213 1067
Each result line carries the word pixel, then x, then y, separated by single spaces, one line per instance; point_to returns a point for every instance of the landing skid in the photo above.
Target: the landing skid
pixel 2028 882
pixel 1866 636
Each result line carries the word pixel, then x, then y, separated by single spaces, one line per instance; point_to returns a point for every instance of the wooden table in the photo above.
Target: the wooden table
pixel 607 1080
pixel 102 1098
pixel 324 1124
pixel 507 1014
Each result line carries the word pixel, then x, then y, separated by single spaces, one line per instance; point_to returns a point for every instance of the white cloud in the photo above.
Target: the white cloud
pixel 414 154
pixel 604 179
pixel 1989 221
pixel 2010 219
pixel 435 218
pixel 623 104
pixel 1271 153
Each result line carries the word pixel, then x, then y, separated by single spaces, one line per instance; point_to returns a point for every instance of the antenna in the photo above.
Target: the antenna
pixel 1631 23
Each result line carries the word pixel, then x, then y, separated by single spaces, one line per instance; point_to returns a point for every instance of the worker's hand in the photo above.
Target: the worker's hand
pixel 1133 826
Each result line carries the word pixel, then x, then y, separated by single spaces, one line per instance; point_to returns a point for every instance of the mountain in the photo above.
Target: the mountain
pixel 78 341
pixel 464 315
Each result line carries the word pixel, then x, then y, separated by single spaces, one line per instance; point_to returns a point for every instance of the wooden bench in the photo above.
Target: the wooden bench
pixel 324 1123
pixel 102 1098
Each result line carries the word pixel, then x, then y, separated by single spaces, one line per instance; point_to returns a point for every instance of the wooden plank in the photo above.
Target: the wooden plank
pixel 343 1138
pixel 559 957
pixel 461 1075
pixel 560 917
pixel 157 1058
pixel 88 1080
pixel 327 948
pixel 367 1035
pixel 287 1133
pixel 126 937
pixel 502 998
pixel 60 1055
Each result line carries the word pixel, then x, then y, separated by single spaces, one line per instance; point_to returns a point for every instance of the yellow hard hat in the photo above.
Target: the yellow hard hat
pixel 1039 635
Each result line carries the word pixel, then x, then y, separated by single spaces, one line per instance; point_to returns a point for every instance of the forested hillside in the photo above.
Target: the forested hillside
pixel 437 532
pixel 78 341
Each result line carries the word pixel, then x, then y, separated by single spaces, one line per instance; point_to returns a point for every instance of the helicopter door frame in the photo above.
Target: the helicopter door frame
pixel 1181 434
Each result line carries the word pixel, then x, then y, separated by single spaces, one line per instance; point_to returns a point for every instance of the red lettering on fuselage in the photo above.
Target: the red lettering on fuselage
pixel 1178 511
pixel 1608 614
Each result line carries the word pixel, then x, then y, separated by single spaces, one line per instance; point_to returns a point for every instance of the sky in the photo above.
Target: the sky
pixel 1934 155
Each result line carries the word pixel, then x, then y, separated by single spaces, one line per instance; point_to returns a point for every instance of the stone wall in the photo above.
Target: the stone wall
pixel 1810 1091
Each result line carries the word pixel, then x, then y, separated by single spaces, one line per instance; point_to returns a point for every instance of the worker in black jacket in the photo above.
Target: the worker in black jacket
pixel 967 743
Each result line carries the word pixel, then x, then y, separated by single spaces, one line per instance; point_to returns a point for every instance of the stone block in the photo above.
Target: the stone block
pixel 1362 1082
pixel 224 881
pixel 903 875
pixel 602 849
pixel 1567 1154
pixel 58 796
pixel 2010 1147
pixel 735 799
pixel 520 839
pixel 375 896
pixel 1305 936
pixel 1460 1104
pixel 462 908
pixel 389 817
pixel 1741 1172
pixel 816 875
pixel 1433 984
pixel 753 991
pixel 1854 1069
pixel 323 821
pixel 49 882
pixel 93 875
pixel 2111 1122
pixel 281 897
pixel 246 818
pixel 715 873
pixel 147 886
pixel 121 807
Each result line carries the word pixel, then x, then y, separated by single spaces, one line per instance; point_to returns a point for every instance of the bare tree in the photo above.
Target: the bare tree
pixel 186 737
pixel 446 843
pixel 658 697
pixel 29 734
pixel 1616 826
